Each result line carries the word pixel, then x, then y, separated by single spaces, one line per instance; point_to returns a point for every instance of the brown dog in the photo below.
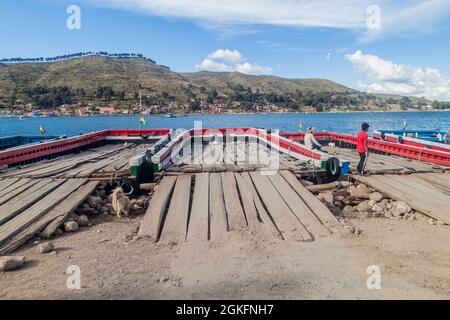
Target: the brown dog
pixel 120 203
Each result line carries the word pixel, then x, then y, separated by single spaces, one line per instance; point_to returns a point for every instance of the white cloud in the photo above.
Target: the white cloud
pixel 232 56
pixel 397 16
pixel 390 77
pixel 225 60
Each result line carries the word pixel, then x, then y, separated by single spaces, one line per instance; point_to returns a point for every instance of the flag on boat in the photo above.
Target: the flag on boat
pixel 42 129
pixel 300 125
pixel 142 120
pixel 405 125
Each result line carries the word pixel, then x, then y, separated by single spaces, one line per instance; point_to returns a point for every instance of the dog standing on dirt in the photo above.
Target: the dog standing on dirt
pixel 120 203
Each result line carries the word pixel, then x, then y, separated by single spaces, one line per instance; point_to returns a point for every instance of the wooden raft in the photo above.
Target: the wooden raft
pixel 428 193
pixel 234 157
pixel 219 206
pixel 101 162
pixel 31 206
pixel 382 164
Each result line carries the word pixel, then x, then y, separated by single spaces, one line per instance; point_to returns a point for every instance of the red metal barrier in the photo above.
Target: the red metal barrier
pixel 47 148
pixel 300 136
pixel 137 133
pixel 407 151
pixel 411 142
pixel 26 153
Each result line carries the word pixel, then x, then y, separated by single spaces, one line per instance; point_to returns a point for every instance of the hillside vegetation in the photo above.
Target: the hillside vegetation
pixel 128 83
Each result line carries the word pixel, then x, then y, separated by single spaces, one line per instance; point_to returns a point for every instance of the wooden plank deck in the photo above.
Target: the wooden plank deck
pixel 39 197
pixel 234 157
pixel 51 221
pixel 28 206
pixel 95 162
pixel 28 216
pixel 233 204
pixel 25 200
pixel 422 192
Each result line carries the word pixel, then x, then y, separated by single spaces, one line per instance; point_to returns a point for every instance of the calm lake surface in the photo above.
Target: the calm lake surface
pixel 337 122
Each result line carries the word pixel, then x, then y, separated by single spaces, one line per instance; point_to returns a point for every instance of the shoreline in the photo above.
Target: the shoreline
pixel 228 113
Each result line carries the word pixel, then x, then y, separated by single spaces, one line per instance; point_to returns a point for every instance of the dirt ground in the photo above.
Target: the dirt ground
pixel 414 258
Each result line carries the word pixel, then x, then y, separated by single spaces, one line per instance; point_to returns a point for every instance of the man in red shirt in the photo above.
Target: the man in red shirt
pixel 362 147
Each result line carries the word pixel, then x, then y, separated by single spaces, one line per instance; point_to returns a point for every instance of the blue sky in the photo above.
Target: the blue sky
pixel 407 53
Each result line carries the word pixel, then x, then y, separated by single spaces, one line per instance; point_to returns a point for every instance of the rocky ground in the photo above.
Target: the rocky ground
pixel 353 200
pixel 411 251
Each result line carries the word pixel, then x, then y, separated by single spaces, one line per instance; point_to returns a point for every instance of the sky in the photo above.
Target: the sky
pixel 384 46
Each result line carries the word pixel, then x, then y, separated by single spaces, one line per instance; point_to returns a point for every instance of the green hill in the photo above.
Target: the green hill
pixel 113 81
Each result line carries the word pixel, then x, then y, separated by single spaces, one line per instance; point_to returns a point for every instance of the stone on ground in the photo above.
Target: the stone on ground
pixel 45 247
pixel 8 263
pixel 377 196
pixel 71 226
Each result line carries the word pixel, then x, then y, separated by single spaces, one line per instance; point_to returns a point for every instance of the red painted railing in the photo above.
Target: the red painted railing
pixel 137 133
pixel 412 142
pixel 21 154
pixel 407 151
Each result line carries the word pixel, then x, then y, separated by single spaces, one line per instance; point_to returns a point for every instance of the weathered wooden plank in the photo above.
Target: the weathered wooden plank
pixel 198 229
pixel 19 203
pixel 176 221
pixel 40 208
pixel 67 163
pixel 57 216
pixel 16 189
pixel 266 220
pixel 17 182
pixel 316 206
pixel 419 191
pixel 50 221
pixel 299 208
pixel 235 213
pixel 218 215
pixel 153 219
pixel 441 181
pixel 255 225
pixel 287 223
pixel 5 183
pixel 415 199
pixel 432 189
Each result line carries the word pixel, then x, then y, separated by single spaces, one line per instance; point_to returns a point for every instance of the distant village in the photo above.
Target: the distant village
pixel 219 107
pixel 80 109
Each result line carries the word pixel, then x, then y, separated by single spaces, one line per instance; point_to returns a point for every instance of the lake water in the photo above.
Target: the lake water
pixel 336 122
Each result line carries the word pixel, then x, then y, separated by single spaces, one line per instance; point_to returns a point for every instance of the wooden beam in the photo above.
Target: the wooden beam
pixel 289 226
pixel 235 214
pixel 218 216
pixel 20 203
pixel 50 221
pixel 40 208
pixel 299 208
pixel 316 206
pixel 153 219
pixel 176 221
pixel 198 229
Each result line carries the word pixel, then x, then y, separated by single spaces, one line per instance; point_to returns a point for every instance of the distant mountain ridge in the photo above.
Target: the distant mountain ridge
pixel 75 56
